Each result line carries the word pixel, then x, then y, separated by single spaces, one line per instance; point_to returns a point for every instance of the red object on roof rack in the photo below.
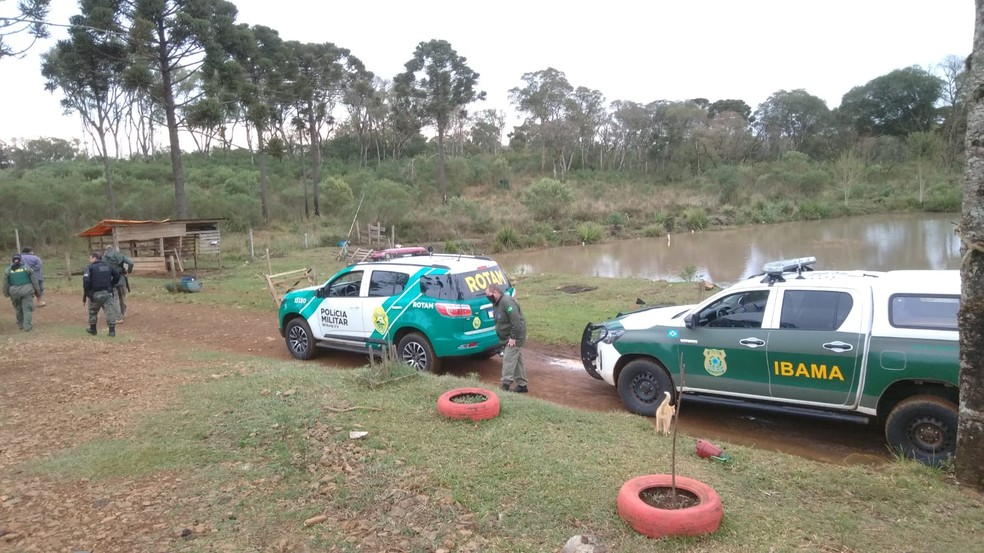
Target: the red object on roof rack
pixel 390 253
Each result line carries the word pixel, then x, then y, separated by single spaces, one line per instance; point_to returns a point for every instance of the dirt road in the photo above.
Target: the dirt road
pixel 555 375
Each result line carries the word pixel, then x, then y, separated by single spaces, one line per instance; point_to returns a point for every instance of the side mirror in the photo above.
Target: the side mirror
pixel 689 320
pixel 319 293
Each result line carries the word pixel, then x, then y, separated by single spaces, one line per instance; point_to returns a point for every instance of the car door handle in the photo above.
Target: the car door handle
pixel 752 342
pixel 839 347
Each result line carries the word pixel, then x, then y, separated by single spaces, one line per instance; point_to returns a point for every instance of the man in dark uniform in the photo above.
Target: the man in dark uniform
pixel 20 284
pixel 98 282
pixel 124 265
pixel 510 326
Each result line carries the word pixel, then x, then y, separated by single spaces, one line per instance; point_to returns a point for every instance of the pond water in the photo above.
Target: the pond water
pixel 875 242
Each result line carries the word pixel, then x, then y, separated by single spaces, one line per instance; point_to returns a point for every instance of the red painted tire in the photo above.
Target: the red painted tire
pixel 475 411
pixel 703 518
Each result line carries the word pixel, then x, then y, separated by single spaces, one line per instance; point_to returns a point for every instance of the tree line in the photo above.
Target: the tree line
pixel 136 70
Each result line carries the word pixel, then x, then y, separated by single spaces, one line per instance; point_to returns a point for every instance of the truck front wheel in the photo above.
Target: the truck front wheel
pixel 923 428
pixel 641 385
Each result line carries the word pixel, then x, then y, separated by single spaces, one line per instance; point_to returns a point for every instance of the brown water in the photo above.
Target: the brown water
pixel 876 242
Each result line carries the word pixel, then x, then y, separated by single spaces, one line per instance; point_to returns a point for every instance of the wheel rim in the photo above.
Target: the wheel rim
pixel 298 339
pixel 645 388
pixel 929 434
pixel 415 355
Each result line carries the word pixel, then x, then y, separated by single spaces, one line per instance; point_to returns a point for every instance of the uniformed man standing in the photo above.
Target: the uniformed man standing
pixel 98 282
pixel 20 284
pixel 510 326
pixel 122 263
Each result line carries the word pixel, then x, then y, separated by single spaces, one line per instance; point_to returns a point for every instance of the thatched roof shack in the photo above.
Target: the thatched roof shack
pixel 150 243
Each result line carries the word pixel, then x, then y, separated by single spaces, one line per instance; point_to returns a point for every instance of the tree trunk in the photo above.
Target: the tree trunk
pixel 110 195
pixel 970 432
pixel 315 160
pixel 441 176
pixel 177 171
pixel 264 200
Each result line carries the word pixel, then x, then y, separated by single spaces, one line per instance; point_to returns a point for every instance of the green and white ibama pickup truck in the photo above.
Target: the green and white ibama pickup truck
pixel 854 345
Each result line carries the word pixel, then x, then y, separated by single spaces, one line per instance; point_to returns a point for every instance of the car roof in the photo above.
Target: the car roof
pixel 453 262
pixel 923 281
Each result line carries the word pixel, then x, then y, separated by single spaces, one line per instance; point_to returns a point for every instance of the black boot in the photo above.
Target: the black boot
pixel 112 331
pixel 91 330
pixel 521 389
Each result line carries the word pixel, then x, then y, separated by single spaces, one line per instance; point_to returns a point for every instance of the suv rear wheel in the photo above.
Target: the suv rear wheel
pixel 923 428
pixel 416 351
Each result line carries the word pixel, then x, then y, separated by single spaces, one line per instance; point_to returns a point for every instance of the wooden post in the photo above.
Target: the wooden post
pixel 174 274
pixel 17 240
pixel 269 267
pixel 251 251
pixel 358 233
pixel 68 266
pixel 393 235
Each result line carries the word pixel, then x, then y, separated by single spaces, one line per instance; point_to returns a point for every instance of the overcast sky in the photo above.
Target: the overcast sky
pixel 628 49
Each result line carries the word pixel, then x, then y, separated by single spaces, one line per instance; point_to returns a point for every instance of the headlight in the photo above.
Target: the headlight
pixel 609 336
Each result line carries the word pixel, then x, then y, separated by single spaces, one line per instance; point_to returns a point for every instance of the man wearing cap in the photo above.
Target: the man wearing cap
pixel 98 281
pixel 510 326
pixel 20 284
pixel 34 262
pixel 124 265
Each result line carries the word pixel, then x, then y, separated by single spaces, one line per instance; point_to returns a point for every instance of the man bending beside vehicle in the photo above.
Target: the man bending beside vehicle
pixel 510 327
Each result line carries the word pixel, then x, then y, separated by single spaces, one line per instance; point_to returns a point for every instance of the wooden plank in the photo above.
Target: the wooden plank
pixel 280 284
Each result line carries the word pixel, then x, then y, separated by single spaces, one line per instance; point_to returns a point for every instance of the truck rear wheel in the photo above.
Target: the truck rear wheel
pixel 641 385
pixel 923 428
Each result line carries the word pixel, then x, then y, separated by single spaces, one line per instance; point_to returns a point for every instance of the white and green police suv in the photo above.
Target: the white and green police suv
pixel 428 306
pixel 870 345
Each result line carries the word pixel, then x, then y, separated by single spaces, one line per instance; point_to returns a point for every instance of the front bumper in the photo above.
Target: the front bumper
pixel 589 348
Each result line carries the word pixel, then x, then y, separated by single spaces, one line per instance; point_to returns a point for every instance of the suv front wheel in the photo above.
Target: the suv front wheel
pixel 416 351
pixel 300 341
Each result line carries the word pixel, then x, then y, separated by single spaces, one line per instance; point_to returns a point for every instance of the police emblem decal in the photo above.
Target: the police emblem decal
pixel 714 362
pixel 379 319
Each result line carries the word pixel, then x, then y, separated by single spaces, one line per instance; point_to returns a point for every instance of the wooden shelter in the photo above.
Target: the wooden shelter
pixel 150 243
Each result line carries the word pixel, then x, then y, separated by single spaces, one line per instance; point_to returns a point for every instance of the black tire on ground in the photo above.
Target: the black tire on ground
pixel 416 351
pixel 653 522
pixel 300 340
pixel 923 428
pixel 482 410
pixel 641 385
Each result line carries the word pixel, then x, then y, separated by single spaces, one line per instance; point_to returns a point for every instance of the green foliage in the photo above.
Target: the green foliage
pixel 728 179
pixel 695 218
pixel 547 199
pixel 665 219
pixel 506 238
pixel 616 218
pixel 589 232
pixel 688 273
pixel 653 231
pixel 336 194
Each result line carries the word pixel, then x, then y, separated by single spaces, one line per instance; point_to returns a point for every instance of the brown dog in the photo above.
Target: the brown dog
pixel 664 415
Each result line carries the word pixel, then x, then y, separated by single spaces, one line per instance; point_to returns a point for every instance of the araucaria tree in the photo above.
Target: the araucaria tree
pixel 88 68
pixel 437 84
pixel 970 434
pixel 168 42
pixel 30 19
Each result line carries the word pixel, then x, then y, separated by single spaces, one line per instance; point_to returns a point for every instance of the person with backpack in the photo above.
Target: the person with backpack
pixel 20 284
pixel 124 265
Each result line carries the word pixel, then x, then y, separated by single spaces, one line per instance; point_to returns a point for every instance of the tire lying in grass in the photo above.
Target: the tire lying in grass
pixel 468 403
pixel 703 517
